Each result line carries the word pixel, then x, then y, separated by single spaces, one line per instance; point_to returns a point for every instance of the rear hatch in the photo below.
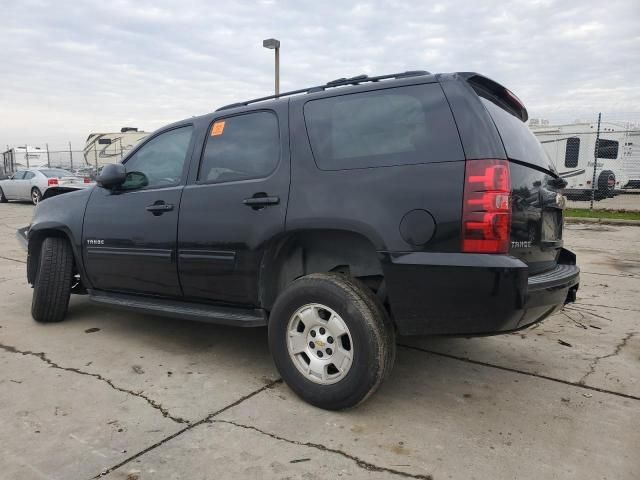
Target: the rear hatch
pixel 536 200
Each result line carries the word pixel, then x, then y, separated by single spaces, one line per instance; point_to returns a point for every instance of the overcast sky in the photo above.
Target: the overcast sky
pixel 71 68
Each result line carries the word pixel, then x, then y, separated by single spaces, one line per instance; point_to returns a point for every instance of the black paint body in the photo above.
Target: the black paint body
pixel 214 249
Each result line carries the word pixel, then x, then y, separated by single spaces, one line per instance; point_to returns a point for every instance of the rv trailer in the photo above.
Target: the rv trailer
pixel 103 148
pixel 23 157
pixel 572 148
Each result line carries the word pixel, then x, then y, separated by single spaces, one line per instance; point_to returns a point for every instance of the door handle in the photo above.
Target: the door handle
pixel 259 202
pixel 159 208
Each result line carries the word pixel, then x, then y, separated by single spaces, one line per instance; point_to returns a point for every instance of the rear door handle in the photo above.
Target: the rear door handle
pixel 159 208
pixel 261 201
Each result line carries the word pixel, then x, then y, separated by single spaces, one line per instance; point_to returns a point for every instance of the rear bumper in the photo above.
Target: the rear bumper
pixel 474 294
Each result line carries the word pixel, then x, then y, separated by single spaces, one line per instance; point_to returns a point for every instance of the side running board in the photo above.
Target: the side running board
pixel 238 317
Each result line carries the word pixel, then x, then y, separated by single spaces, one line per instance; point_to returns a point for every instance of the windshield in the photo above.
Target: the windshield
pixel 56 173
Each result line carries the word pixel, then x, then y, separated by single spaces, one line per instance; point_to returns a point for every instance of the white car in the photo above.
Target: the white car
pixel 32 183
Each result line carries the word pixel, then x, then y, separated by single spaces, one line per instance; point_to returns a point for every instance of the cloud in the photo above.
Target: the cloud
pixel 71 68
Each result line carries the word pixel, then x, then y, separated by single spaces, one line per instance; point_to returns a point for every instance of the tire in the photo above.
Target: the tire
pixel 330 300
pixel 3 199
pixel 606 184
pixel 52 286
pixel 36 195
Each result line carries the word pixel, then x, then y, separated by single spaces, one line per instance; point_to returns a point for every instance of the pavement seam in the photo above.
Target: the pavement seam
pixel 608 306
pixel 208 418
pixel 616 351
pixel 522 372
pixel 42 356
pixel 12 259
pixel 358 461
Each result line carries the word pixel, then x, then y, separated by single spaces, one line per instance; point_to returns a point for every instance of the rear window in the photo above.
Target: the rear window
pixel 55 172
pixel 395 126
pixel 607 149
pixel 519 142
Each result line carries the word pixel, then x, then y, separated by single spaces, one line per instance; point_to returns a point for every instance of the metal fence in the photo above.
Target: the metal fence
pixel 85 162
pixel 598 156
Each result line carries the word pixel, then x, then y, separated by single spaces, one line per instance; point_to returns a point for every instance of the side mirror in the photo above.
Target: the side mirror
pixel 112 175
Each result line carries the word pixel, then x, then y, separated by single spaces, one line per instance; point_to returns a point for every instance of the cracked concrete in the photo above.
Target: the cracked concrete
pixel 127 396
pixel 42 356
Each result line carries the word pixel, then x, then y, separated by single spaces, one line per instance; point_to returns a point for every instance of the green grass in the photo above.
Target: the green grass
pixel 586 213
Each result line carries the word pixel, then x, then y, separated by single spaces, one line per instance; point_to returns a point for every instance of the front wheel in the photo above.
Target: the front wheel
pixel 52 286
pixel 3 198
pixel 331 340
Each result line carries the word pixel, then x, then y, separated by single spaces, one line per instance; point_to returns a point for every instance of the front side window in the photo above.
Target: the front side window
pixel 572 152
pixel 607 148
pixel 240 148
pixel 160 161
pixel 19 175
pixel 395 126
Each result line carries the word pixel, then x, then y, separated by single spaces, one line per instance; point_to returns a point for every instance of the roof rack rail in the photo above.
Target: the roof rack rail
pixel 339 82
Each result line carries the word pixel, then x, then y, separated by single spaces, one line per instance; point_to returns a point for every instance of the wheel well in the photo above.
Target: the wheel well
pixel 317 251
pixel 35 247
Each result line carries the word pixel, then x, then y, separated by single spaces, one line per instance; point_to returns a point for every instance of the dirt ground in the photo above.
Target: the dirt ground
pixel 129 396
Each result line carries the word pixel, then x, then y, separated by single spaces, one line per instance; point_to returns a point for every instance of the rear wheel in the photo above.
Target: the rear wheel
pixel 52 286
pixel 331 340
pixel 36 195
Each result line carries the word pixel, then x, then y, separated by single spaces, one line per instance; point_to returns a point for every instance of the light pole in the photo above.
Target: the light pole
pixel 273 44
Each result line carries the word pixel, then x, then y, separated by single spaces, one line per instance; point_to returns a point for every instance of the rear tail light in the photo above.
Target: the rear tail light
pixel 486 210
pixel 87 180
pixel 52 181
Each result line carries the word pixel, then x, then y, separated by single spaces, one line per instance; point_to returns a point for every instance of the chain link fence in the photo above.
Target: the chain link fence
pixel 597 155
pixel 99 150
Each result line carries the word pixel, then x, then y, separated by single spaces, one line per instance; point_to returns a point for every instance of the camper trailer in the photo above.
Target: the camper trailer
pixel 103 148
pixel 23 157
pixel 572 151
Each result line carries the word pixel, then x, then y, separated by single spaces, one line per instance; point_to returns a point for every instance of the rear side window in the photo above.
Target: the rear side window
pixel 29 175
pixel 572 152
pixel 607 149
pixel 395 126
pixel 519 142
pixel 240 148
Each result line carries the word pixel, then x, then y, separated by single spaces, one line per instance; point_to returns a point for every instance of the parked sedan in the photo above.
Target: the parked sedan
pixel 32 183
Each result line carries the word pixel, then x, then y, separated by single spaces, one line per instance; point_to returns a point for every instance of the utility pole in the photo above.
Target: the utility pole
pixel 48 157
pixel 71 156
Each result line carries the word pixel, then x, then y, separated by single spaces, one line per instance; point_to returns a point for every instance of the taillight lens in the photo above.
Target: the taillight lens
pixel 87 180
pixel 486 211
pixel 52 181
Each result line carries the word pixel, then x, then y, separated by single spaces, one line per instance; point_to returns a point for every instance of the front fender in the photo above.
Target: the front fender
pixel 58 216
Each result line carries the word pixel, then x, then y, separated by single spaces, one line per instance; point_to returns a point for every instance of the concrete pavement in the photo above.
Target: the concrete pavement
pixel 128 396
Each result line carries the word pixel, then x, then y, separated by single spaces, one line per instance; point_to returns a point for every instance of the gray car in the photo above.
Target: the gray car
pixel 32 183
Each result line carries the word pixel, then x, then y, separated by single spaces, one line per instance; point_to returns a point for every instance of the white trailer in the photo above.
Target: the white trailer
pixel 23 157
pixel 103 148
pixel 572 151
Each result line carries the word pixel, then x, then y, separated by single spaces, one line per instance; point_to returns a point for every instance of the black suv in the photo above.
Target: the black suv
pixel 339 216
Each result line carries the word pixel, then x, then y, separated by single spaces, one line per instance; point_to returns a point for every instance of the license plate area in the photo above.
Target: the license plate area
pixel 551 225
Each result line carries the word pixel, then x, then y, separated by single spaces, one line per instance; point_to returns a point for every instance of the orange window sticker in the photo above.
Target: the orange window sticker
pixel 217 128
